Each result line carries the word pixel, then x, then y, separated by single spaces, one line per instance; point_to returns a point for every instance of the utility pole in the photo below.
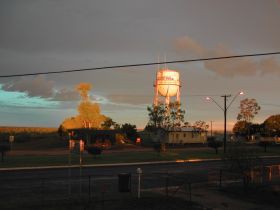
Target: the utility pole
pixel 225 120
pixel 211 127
pixel 224 109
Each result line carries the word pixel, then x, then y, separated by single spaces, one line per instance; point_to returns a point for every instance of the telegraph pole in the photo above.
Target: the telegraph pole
pixel 211 128
pixel 225 120
pixel 224 109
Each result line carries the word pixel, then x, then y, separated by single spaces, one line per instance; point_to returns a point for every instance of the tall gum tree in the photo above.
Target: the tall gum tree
pixel 89 113
pixel 249 108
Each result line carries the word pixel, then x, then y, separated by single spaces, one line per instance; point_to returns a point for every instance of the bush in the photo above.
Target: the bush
pixel 93 150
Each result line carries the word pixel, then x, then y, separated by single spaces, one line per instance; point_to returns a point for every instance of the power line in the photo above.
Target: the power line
pixel 140 64
pixel 275 105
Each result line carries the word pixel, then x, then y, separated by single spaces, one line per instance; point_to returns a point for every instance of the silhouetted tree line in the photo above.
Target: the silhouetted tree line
pixel 269 128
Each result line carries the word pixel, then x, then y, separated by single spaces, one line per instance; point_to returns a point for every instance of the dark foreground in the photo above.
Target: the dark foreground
pixel 163 186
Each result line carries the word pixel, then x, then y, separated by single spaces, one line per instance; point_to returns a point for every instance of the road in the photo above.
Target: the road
pixel 196 168
pixel 39 186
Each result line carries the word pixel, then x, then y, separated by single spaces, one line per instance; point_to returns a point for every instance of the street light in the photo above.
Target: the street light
pixel 224 109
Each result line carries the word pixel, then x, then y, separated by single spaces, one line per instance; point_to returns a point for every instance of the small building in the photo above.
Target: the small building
pixel 176 136
pixel 97 137
pixel 185 135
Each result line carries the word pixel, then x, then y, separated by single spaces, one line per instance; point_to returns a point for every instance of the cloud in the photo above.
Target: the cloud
pixel 232 67
pixel 35 87
pixel 130 99
pixel 40 87
pixel 227 67
pixel 185 43
pixel 269 66
pixel 66 95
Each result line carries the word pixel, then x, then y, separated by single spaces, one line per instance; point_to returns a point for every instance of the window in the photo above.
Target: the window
pixel 177 136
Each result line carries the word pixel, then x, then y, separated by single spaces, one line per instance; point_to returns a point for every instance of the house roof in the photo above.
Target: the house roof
pixel 185 129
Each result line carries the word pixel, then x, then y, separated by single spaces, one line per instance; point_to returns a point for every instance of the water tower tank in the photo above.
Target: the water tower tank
pixel 167 82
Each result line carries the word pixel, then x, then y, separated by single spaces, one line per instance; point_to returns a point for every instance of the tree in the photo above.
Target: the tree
pixel 130 131
pixel 83 89
pixel 165 116
pixel 249 108
pixel 201 125
pixel 187 124
pixel 240 128
pixel 156 116
pixel 109 123
pixel 61 131
pixel 176 115
pixel 89 113
pixel 72 123
pixel 272 126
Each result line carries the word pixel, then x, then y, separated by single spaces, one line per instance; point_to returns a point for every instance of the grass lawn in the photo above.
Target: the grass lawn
pixel 124 157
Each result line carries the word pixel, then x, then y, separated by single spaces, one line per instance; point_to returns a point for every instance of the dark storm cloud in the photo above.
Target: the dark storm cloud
pixel 227 67
pixel 35 87
pixel 50 35
pixel 73 26
pixel 40 87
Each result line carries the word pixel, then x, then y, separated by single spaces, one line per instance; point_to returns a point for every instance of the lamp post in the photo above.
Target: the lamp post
pixel 225 109
pixel 211 128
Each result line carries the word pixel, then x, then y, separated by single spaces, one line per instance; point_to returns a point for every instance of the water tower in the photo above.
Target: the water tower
pixel 167 87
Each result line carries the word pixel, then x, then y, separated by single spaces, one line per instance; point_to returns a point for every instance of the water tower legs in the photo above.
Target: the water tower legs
pixel 156 95
pixel 178 95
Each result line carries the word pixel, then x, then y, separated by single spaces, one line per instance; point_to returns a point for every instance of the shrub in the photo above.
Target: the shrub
pixel 93 150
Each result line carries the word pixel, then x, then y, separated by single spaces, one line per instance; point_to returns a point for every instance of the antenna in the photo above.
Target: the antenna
pixel 165 61
pixel 158 63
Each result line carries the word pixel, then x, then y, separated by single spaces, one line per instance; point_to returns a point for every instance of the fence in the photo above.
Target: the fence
pixel 89 190
pixel 264 175
pixel 103 191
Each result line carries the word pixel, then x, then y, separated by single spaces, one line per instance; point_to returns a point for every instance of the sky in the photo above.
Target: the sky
pixel 56 35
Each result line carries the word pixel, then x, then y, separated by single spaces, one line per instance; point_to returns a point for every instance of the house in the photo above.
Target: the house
pixel 182 135
pixel 185 135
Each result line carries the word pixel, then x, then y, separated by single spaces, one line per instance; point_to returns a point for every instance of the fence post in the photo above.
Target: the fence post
pixel 42 192
pixel 166 184
pixel 190 191
pixel 139 172
pixel 80 175
pixel 220 184
pixel 89 188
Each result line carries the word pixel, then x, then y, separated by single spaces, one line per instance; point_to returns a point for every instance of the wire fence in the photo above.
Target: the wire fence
pixel 109 191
